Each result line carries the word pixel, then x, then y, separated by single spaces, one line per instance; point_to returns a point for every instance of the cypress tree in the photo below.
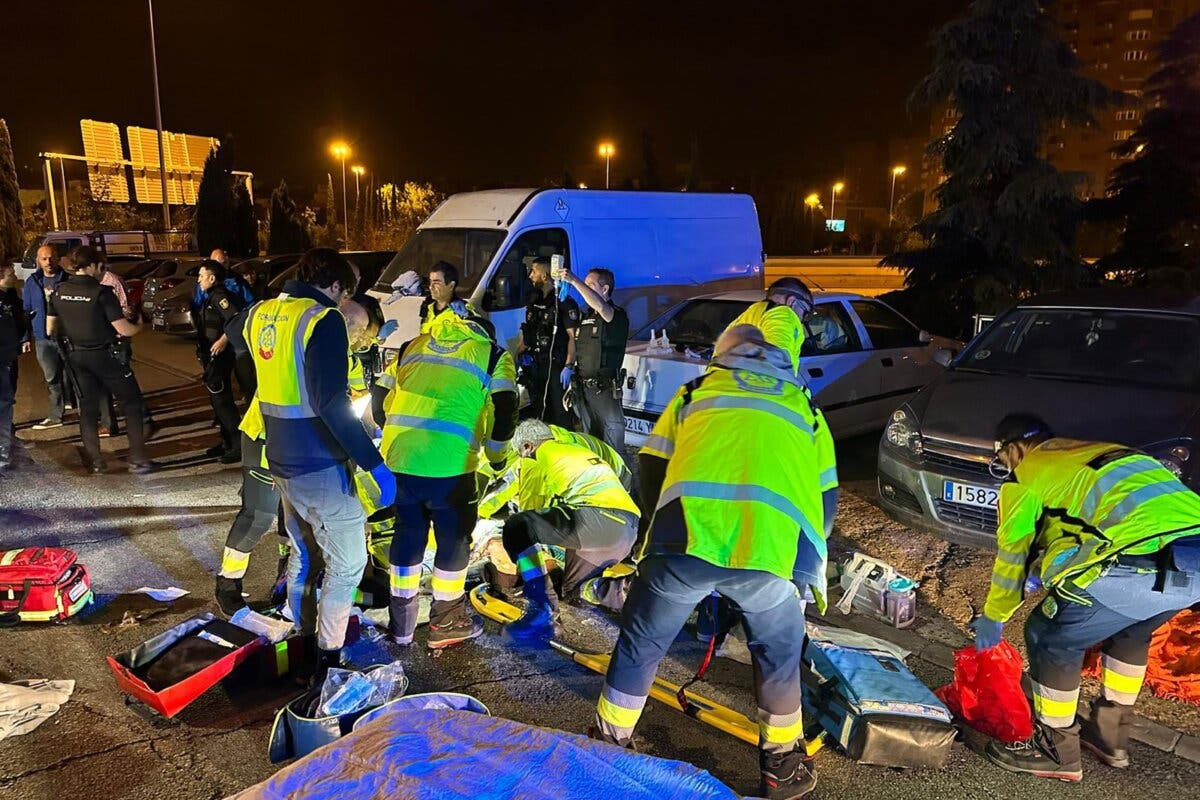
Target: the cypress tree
pixel 12 236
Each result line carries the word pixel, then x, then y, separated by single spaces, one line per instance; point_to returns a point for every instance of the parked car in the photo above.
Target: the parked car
pixel 1106 365
pixel 370 263
pixel 135 272
pixel 166 298
pixel 260 272
pixel 861 359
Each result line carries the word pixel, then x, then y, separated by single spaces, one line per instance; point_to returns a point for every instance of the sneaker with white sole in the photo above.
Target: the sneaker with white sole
pixel 47 423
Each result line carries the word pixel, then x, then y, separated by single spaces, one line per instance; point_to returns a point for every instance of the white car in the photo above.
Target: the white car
pixel 862 359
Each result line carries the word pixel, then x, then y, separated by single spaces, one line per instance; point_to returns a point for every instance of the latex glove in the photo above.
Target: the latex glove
pixel 386 482
pixel 1033 584
pixel 988 633
pixel 459 307
pixel 565 376
pixel 388 329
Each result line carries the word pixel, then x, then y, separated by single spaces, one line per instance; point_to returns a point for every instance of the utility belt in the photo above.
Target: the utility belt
pixel 601 383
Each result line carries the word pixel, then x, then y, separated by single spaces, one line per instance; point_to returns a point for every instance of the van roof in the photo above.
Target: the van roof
pixel 754 295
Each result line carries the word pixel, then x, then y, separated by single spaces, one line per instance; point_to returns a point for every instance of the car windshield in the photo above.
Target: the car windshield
pixel 696 323
pixel 1097 345
pixel 469 250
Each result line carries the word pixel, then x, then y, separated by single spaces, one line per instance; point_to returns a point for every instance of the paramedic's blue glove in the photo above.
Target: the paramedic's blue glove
pixel 1033 584
pixel 459 307
pixel 565 376
pixel 386 482
pixel 388 329
pixel 988 633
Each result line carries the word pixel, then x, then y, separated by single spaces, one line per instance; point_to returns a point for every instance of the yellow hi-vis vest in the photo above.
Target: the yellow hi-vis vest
pixel 570 476
pixel 779 325
pixel 277 332
pixel 438 393
pixel 1077 505
pixel 744 463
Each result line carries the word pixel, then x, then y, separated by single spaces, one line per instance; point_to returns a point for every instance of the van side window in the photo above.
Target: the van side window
pixel 511 287
pixel 886 328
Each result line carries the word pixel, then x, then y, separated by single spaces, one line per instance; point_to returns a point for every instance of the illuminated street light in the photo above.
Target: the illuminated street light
pixel 813 201
pixel 341 151
pixel 897 171
pixel 837 187
pixel 607 151
pixel 359 170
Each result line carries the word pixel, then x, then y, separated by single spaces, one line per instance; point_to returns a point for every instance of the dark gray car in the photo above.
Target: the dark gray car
pixel 1106 365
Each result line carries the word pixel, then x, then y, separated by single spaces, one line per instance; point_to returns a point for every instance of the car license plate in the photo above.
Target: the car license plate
pixel 968 495
pixel 77 591
pixel 638 425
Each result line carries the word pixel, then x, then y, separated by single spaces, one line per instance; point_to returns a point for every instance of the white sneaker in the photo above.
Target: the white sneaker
pixel 48 423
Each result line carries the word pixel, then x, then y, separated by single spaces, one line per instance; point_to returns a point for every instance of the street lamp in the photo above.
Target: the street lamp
pixel 162 146
pixel 812 201
pixel 897 171
pixel 358 170
pixel 341 151
pixel 837 187
pixel 607 151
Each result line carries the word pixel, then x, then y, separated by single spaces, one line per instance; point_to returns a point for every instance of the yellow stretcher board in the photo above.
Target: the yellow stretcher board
pixel 699 708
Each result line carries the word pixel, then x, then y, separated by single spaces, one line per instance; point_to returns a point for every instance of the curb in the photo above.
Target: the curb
pixel 1144 730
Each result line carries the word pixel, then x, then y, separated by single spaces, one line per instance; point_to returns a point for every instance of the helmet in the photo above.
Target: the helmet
pixel 793 287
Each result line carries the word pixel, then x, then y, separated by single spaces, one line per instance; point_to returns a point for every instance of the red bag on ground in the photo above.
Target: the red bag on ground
pixel 986 692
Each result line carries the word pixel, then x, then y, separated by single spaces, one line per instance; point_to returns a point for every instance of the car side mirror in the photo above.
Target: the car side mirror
pixel 925 337
pixel 501 294
pixel 943 356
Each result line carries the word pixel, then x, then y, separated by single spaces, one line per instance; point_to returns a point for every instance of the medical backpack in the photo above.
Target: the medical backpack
pixel 42 584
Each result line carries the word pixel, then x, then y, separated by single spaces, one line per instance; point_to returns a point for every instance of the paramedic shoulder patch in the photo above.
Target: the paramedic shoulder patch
pixel 1050 607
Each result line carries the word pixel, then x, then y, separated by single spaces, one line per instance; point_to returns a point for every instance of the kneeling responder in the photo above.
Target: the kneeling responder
pixel 438 395
pixel 569 498
pixel 735 467
pixel 1117 536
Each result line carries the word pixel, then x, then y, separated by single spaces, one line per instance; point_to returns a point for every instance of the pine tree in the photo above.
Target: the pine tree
pixel 12 237
pixel 244 224
pixel 287 232
pixel 1006 219
pixel 1157 192
pixel 215 225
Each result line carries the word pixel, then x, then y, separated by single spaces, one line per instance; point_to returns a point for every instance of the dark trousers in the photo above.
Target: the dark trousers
pixel 261 510
pixel 8 399
pixel 546 394
pixel 58 377
pixel 218 377
pixel 97 371
pixel 451 504
pixel 247 378
pixel 600 413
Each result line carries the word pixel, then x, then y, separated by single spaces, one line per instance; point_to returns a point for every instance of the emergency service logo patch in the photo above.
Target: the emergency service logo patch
pixel 224 304
pixel 755 382
pixel 1050 607
pixel 266 342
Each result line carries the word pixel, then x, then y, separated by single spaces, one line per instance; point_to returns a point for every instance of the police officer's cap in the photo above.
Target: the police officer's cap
pixel 1021 427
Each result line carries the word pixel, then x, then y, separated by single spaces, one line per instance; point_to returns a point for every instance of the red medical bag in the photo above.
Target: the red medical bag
pixel 41 584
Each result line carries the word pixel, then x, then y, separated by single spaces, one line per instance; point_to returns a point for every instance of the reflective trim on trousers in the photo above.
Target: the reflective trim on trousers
pixel 436 425
pixel 448 585
pixel 234 563
pixel 779 732
pixel 404 581
pixel 1055 707
pixel 1122 681
pixel 617 713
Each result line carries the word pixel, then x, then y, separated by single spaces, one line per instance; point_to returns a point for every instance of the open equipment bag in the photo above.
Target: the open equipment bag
pixel 42 584
pixel 872 705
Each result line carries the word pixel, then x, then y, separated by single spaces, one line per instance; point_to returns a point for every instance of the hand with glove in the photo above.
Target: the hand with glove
pixel 988 633
pixel 386 482
pixel 459 307
pixel 387 329
pixel 565 376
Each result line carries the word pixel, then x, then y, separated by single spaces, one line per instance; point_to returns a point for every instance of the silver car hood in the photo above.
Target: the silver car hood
pixel 966 406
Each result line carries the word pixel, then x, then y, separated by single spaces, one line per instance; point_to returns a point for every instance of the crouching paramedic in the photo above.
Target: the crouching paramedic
pixel 1117 537
pixel 569 498
pixel 438 397
pixel 299 344
pixel 734 468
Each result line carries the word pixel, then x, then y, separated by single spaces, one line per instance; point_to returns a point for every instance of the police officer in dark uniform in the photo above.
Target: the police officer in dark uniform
pixel 87 316
pixel 547 346
pixel 599 351
pixel 217 306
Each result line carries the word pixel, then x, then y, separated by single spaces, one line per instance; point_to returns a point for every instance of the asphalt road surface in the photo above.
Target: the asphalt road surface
pixel 167 529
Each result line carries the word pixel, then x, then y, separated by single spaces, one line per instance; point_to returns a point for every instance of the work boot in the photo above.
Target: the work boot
pixel 1106 734
pixel 536 625
pixel 280 589
pixel 454 631
pixel 597 733
pixel 1049 753
pixel 785 776
pixel 229 595
pixel 232 455
pixel 325 660
pixel 215 450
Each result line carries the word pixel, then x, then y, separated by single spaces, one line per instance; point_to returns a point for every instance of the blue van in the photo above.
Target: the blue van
pixel 661 246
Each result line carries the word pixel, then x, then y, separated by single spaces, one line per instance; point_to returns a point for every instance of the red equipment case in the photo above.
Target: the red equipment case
pixel 42 584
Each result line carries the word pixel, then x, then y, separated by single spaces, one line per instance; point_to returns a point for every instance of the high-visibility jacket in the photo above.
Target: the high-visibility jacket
pixel 779 324
pixel 1076 506
pixel 355 378
pixel 437 400
pixel 573 477
pixel 744 464
pixel 431 313
pixel 277 331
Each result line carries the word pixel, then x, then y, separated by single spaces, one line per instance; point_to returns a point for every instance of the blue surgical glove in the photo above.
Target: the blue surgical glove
pixel 565 376
pixel 388 329
pixel 988 633
pixel 386 482
pixel 459 307
pixel 1033 584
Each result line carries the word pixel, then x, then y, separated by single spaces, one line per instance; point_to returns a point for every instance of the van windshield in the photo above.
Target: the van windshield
pixel 470 251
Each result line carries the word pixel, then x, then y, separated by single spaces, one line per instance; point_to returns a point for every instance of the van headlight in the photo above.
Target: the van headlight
pixel 903 432
pixel 1173 455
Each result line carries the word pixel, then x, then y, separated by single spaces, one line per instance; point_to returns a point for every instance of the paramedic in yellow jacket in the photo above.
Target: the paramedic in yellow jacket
pixel 438 398
pixel 738 475
pixel 781 316
pixel 569 498
pixel 1114 536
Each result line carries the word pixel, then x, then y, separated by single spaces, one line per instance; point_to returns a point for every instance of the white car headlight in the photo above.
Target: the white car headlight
pixel 903 432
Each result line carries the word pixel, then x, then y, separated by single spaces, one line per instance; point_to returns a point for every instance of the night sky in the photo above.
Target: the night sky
pixel 476 94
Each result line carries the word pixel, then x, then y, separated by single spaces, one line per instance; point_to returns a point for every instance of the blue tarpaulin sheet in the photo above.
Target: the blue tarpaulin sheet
pixel 444 753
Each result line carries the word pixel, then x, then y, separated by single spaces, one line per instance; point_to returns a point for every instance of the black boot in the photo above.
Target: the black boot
pixel 326 660
pixel 1049 753
pixel 229 595
pixel 1106 734
pixel 599 735
pixel 785 776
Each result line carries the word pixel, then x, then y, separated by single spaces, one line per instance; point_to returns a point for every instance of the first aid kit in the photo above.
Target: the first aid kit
pixel 42 584
pixel 874 587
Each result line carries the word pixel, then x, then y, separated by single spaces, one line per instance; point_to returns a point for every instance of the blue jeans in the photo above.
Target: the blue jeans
pixel 58 379
pixel 326 525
